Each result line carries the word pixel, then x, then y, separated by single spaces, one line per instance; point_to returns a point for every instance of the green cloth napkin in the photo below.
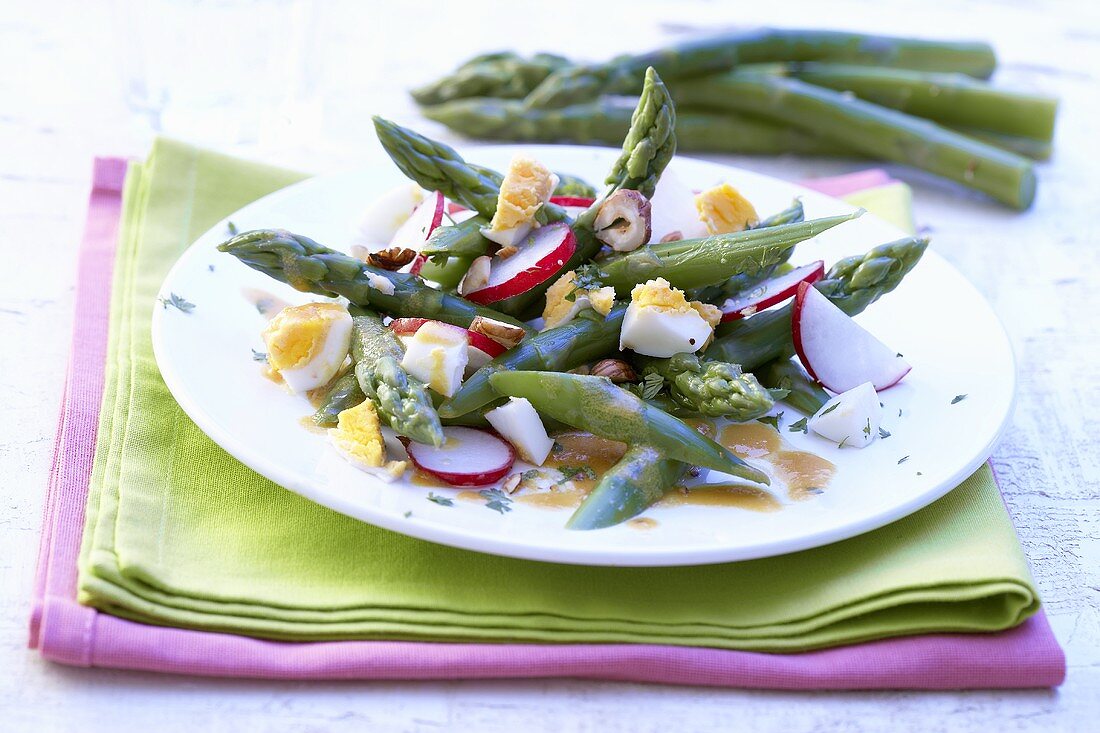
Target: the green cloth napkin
pixel 179 533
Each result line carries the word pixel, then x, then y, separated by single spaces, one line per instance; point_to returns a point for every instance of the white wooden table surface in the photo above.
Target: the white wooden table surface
pixel 69 89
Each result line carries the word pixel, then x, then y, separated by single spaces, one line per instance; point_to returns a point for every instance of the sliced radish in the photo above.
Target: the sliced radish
pixel 481 348
pixel 836 350
pixel 580 202
pixel 418 227
pixel 772 291
pixel 468 457
pixel 453 208
pixel 539 258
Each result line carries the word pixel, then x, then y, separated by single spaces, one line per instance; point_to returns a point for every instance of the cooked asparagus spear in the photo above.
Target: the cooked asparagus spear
pixel 622 75
pixel 803 394
pixel 312 268
pixel 711 388
pixel 871 129
pixel 344 394
pixel 586 338
pixel 598 406
pixel 695 263
pixel 852 284
pixel 403 402
pixel 640 478
pixel 950 99
pixel 505 75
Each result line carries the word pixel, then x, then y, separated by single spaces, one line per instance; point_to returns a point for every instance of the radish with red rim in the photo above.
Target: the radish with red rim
pixel 770 292
pixel 468 457
pixel 539 258
pixel 837 351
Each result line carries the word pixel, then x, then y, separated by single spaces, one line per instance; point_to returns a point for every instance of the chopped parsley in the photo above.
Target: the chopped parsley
pixel 902 460
pixel 650 386
pixel 210 267
pixel 883 433
pixel 842 442
pixel 830 408
pixel 576 473
pixel 958 398
pixel 440 500
pixel 259 356
pixel 496 500
pixel 772 420
pixel 231 228
pixel 408 514
pixel 799 426
pixel 585 278
pixel 177 302
pixel 867 428
pixel 529 475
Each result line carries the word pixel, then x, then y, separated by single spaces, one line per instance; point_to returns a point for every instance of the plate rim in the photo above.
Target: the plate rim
pixel 458 537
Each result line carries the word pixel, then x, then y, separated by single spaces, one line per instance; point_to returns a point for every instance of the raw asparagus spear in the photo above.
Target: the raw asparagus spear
pixel 950 99
pixel 711 388
pixel 586 338
pixel 312 268
pixel 505 75
pixel 605 122
pixel 344 394
pixel 598 406
pixel 622 75
pixel 871 129
pixel 852 284
pixel 696 263
pixel 640 478
pixel 803 394
pixel 403 402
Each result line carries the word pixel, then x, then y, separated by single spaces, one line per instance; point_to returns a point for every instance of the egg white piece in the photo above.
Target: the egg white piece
pixel 387 213
pixel 851 419
pixel 508 237
pixel 320 366
pixel 672 209
pixel 437 355
pixel 659 332
pixel 519 423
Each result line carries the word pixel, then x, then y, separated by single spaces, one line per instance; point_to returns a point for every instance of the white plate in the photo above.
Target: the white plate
pixel 936 318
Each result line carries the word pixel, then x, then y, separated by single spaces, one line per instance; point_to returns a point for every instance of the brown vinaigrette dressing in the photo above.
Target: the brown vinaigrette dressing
pixel 265 303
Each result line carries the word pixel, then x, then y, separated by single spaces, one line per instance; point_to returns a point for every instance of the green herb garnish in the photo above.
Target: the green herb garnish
pixel 799 426
pixel 440 500
pixel 902 460
pixel 883 433
pixel 572 473
pixel 585 278
pixel 772 420
pixel 496 500
pixel 259 356
pixel 867 428
pixel 176 302
pixel 650 386
pixel 231 228
pixel 958 398
pixel 830 408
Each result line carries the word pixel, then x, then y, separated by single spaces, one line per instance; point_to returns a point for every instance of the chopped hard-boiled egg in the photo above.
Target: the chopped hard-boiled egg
pixel 437 355
pixel 851 419
pixel 560 309
pixel 661 322
pixel 526 187
pixel 723 210
pixel 519 424
pixel 358 438
pixel 307 344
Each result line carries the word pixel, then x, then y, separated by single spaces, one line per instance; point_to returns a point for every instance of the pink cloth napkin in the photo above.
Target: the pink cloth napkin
pixel 64 631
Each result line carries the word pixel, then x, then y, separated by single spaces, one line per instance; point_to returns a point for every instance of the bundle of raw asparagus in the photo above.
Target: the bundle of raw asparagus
pixel 918 102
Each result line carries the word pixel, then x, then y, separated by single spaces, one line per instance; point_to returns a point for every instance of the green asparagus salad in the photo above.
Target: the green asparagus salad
pixel 529 337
